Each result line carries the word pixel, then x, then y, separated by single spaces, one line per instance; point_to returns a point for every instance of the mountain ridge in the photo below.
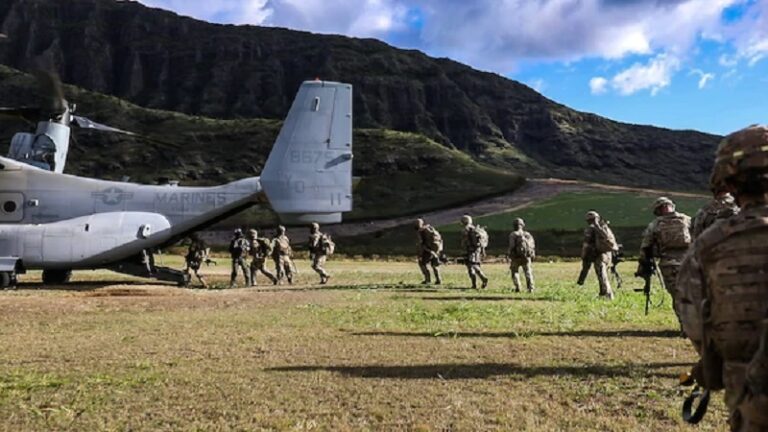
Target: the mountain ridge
pixel 159 59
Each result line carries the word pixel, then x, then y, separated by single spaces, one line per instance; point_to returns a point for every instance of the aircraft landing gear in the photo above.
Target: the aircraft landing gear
pixel 7 280
pixel 56 277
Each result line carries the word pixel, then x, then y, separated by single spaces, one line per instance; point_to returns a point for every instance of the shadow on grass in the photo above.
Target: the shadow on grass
pixel 485 370
pixel 88 285
pixel 574 333
pixel 394 288
pixel 486 298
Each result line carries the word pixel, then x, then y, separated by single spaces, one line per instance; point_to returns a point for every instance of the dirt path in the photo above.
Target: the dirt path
pixel 535 190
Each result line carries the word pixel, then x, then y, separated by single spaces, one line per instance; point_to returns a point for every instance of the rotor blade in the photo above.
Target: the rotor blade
pixel 52 90
pixel 87 123
pixel 25 112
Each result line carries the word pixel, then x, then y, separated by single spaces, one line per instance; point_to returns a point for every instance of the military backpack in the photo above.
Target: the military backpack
pixel 673 232
pixel 525 246
pixel 478 237
pixel 282 246
pixel 432 238
pixel 605 240
pixel 262 247
pixel 327 245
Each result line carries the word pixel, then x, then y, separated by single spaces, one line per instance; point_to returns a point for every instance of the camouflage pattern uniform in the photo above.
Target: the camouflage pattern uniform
pixel 281 254
pixel 519 258
pixel 473 253
pixel 238 250
pixel 430 247
pixel 667 238
pixel 723 285
pixel 722 206
pixel 590 255
pixel 259 252
pixel 317 253
pixel 197 254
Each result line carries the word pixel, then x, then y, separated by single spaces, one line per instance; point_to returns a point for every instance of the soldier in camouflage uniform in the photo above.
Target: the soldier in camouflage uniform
pixel 430 247
pixel 722 206
pixel 474 253
pixel 522 251
pixel 260 248
pixel 591 255
pixel 667 239
pixel 238 251
pixel 317 253
pixel 197 254
pixel 281 254
pixel 723 285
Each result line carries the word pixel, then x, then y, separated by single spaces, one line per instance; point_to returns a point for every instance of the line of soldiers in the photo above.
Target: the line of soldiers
pixel 474 241
pixel 259 249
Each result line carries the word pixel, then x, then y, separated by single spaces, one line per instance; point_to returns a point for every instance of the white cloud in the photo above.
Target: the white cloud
pixel 537 84
pixel 654 76
pixel 598 85
pixel 704 77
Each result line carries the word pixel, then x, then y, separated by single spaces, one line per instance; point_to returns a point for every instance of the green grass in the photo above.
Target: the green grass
pixel 373 351
pixel 566 211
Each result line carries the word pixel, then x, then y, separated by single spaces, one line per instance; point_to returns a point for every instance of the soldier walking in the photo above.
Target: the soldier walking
pixel 197 254
pixel 597 250
pixel 722 206
pixel 320 246
pixel 281 254
pixel 260 249
pixel 667 239
pixel 430 248
pixel 723 288
pixel 238 251
pixel 522 251
pixel 474 240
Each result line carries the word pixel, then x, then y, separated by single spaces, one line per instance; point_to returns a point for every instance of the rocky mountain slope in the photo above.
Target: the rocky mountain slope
pixel 158 59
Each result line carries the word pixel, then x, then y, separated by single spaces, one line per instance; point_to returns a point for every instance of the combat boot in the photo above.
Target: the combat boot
pixel 485 283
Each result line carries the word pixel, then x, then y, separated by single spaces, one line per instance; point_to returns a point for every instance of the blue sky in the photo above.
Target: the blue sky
pixel 682 64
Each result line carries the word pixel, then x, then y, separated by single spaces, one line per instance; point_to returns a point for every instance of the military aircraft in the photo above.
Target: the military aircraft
pixel 58 222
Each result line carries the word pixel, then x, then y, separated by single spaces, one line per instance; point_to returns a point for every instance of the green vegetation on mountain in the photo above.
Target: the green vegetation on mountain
pixel 158 59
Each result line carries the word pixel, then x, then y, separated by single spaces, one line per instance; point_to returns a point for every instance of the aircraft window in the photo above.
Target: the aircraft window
pixel 9 206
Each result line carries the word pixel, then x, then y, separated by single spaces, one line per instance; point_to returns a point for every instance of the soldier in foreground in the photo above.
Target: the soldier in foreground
pixel 197 254
pixel 722 206
pixel 260 249
pixel 522 251
pixel 281 254
pixel 474 240
pixel 238 251
pixel 320 246
pixel 723 288
pixel 667 239
pixel 430 248
pixel 597 250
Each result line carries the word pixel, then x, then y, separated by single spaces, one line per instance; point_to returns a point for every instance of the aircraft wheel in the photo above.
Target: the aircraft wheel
pixel 56 277
pixel 6 280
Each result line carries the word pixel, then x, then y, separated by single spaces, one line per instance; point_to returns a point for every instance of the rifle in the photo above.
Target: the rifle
pixel 585 265
pixel 646 268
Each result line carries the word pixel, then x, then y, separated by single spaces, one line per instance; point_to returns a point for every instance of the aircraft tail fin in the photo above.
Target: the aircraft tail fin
pixel 308 175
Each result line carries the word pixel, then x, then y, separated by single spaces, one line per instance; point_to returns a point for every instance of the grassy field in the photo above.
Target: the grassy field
pixel 556 223
pixel 373 351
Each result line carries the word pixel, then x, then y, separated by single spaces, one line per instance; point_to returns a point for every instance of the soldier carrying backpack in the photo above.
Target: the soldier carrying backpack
pixel 238 251
pixel 320 247
pixel 474 241
pixel 281 254
pixel 522 251
pixel 596 251
pixel 430 250
pixel 261 249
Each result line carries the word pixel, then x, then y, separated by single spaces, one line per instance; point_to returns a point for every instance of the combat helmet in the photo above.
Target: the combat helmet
pixel 466 220
pixel 314 227
pixel 253 233
pixel 744 151
pixel 662 201
pixel 591 215
pixel 280 230
pixel 238 232
pixel 518 223
pixel 418 223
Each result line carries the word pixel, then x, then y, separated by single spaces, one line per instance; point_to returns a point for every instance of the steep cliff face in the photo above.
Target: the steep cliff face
pixel 158 59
